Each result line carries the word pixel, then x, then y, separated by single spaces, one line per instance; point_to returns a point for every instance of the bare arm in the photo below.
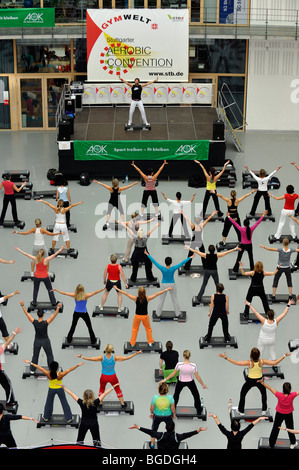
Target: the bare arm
pixel 104 185
pixel 30 317
pixel 44 371
pixel 47 204
pixel 126 358
pixel 149 83
pixel 240 199
pixel 26 254
pixel 257 314
pixel 159 171
pixel 221 172
pixel 143 175
pixel 91 294
pixel 236 363
pixel 49 258
pixel 127 187
pixel 28 232
pixel 62 374
pixel 51 318
pixel 19 188
pixel 224 253
pixel 69 294
pixel 278 198
pixel 132 297
pixel 268 248
pixel 153 296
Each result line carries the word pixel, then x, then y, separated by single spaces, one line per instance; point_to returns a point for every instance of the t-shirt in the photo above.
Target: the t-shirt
pixel 41 329
pixel 136 92
pixel 168 273
pixel 262 182
pixel 162 404
pixel 285 403
pixel 284 257
pixel 170 358
pixel 290 201
pixel 186 371
pixel 8 187
pixel 234 440
pixel 178 205
pixel 89 415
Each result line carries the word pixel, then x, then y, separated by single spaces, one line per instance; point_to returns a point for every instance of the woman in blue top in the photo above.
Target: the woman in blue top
pixel 81 298
pixel 168 281
pixel 108 360
pixel 162 408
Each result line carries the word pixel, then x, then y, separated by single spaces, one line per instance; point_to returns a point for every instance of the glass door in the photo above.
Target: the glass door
pixel 54 88
pixel 31 90
pixel 5 121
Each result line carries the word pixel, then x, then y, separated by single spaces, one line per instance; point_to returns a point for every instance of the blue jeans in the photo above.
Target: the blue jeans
pixel 48 410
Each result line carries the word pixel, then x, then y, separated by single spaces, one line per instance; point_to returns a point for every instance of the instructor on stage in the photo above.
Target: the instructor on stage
pixel 136 99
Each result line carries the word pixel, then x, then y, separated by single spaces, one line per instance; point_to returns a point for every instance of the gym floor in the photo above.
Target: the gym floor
pixel 37 152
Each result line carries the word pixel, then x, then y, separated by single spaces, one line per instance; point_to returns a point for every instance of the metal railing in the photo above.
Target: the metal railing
pixel 230 113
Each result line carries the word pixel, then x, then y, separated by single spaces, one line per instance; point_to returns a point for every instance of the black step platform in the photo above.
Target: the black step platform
pixel 58 420
pixel 257 216
pixel 250 319
pixel 26 191
pixel 216 218
pixel 279 444
pixel 194 269
pixel 147 445
pixel 267 371
pixel 234 276
pixel 167 315
pixel 113 226
pixel 149 216
pixel 81 342
pixel 10 409
pixel 250 414
pixel 17 176
pixel 71 228
pixel 143 346
pixel 114 407
pixel 190 412
pixel 12 224
pixel 280 298
pixel 142 281
pixel 272 239
pixel 218 341
pixel 205 300
pixel 137 127
pixel 111 312
pixel 43 194
pixel 174 239
pixel 65 254
pixel 47 306
pixel 293 344
pixel 27 276
pixel 227 246
pixel 37 374
pixel 13 350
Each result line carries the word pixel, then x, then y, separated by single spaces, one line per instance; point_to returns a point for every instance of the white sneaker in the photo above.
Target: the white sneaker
pixel 264 413
pixel 292 446
pixel 101 308
pixel 10 346
pixel 119 309
pixel 239 413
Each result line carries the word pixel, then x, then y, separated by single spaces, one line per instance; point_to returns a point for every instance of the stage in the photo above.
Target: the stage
pixel 98 124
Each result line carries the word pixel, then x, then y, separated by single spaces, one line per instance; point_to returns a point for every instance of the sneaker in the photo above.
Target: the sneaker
pixel 119 310
pixel 70 420
pixel 44 419
pixel 11 403
pixel 32 274
pixel 105 227
pixel 151 345
pixel 292 446
pixel 10 346
pixel 271 296
pixel 227 340
pixel 51 251
pixel 239 413
pixel 207 339
pixel 264 413
pixel 101 308
pixel 124 406
pixel 222 243
pixel 70 250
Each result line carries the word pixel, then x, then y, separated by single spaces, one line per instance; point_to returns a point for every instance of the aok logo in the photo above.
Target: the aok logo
pixel 186 149
pixel 97 150
pixel 34 18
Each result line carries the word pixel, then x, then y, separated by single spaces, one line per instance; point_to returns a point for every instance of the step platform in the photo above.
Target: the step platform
pixel 142 281
pixel 218 341
pixel 126 263
pixel 280 298
pixel 250 319
pixel 110 312
pixel 272 239
pixel 216 218
pixel 150 215
pixel 250 414
pixel 71 228
pixel 227 246
pixel 234 276
pixel 263 443
pixel 58 420
pixel 27 276
pixel 114 407
pixel 143 346
pixel 166 240
pixel 37 374
pixel 168 315
pixel 194 269
pixel 182 445
pixel 205 300
pixel 293 344
pixel 114 226
pixel 26 191
pixel 10 409
pixel 17 176
pixel 81 342
pixel 13 350
pixel 47 306
pixel 65 254
pixel 12 224
pixel 137 127
pixel 267 371
pixel 43 194
pixel 257 216
pixel 190 412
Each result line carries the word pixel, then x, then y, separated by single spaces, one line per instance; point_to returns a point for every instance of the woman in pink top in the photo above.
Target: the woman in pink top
pixel 187 371
pixel 288 209
pixel 284 412
pixel 246 240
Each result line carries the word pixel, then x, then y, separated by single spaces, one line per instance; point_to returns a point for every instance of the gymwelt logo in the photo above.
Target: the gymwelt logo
pixel 34 18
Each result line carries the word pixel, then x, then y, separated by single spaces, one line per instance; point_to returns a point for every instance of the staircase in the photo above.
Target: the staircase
pixel 229 112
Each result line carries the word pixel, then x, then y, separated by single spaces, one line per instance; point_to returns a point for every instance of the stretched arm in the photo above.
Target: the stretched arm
pixel 19 188
pixel 294 219
pixel 283 314
pixel 152 229
pixel 200 253
pixel 28 232
pixel 91 294
pixel 10 338
pixel 226 199
pixel 102 184
pixel 224 253
pixel 126 358
pixel 67 371
pixel 160 169
pixel 47 204
pixel 8 296
pixel 151 297
pixel 127 187
pixel 69 392
pixel 240 199
pixel 49 258
pixel 278 198
pixel 127 83
pixel 130 296
pixel 149 83
pixel 44 371
pixel 51 318
pixel 143 175
pixel 222 171
pixel 277 361
pixel 232 361
pixel 12 261
pixel 271 389
pixel 72 205
pixel 30 317
pixel 93 359
pixel 268 248
pixel 26 254
pixel 257 314
pixel 69 294
pixel 203 169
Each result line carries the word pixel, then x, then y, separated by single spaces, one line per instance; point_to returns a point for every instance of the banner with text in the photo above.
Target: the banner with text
pixel 137 43
pixel 142 150
pixel 27 18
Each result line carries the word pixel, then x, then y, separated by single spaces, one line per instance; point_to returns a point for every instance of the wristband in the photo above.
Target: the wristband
pixel 288 305
pixel 14 333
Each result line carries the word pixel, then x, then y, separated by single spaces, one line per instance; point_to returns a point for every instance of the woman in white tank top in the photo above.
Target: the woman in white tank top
pixel 62 192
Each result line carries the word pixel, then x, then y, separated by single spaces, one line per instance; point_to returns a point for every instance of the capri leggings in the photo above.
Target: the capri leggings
pixel 113 380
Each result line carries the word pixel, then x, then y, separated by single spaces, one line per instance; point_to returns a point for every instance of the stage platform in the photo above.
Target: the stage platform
pixel 98 124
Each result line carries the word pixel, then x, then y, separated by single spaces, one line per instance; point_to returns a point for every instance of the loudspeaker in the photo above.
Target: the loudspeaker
pixel 64 130
pixel 218 130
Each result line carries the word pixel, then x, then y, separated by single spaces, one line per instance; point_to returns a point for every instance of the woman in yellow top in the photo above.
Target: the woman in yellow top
pixel 255 374
pixel 211 180
pixel 55 381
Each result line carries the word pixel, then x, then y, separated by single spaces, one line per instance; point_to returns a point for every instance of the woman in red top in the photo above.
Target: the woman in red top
pixel 41 273
pixel 9 197
pixel 289 208
pixel 284 412
pixel 114 271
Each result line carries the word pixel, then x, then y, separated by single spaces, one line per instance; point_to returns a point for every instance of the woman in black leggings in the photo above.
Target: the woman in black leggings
pixel 256 288
pixel 187 372
pixel 219 304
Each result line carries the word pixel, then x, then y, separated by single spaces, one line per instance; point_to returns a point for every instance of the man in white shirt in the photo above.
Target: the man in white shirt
pixel 178 206
pixel 262 181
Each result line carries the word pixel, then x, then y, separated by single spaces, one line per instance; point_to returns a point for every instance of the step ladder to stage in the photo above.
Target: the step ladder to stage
pixel 227 102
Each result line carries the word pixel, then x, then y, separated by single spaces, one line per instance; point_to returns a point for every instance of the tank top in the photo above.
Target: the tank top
pixel 141 308
pixel 55 383
pixel 41 270
pixel 41 329
pixel 255 372
pixel 257 279
pixel 268 330
pixel 233 210
pixel 150 184
pixel 38 237
pixel 197 236
pixel 211 185
pixel 62 193
pixel 108 365
pixel 211 261
pixel 80 306
pixel 136 92
pixel 8 187
pixel 60 218
pixel 113 272
pixel 219 303
pixel 114 197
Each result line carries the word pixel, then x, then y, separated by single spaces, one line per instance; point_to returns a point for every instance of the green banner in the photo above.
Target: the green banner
pixel 141 150
pixel 27 17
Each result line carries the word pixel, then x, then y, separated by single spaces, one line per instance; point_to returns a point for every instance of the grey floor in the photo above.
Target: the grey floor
pixel 36 151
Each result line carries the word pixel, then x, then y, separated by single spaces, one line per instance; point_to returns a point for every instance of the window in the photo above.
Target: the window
pixel 33 56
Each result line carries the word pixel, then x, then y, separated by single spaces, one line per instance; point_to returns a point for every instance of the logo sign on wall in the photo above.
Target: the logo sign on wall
pixel 143 43
pixel 27 17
